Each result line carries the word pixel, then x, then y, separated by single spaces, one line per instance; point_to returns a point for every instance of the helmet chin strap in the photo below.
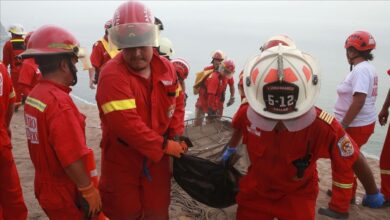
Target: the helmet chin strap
pixel 351 62
pixel 73 70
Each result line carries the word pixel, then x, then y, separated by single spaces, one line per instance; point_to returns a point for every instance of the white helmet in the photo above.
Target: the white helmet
pixel 282 83
pixel 278 39
pixel 17 29
pixel 166 47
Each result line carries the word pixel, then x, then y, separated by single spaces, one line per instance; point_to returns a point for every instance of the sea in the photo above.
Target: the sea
pixel 238 28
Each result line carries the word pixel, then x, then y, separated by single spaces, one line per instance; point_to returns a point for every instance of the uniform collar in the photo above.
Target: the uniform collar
pixel 292 125
pixel 62 87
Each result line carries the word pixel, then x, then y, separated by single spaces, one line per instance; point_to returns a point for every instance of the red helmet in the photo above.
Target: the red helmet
pixel 108 24
pixel 388 71
pixel 133 26
pixel 50 39
pixel 229 66
pixel 361 41
pixel 182 67
pixel 27 38
pixel 218 55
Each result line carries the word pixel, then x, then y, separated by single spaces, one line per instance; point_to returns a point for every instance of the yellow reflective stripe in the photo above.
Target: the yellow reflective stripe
pixel 12 94
pixel 110 48
pixel 36 103
pixel 118 105
pixel 178 90
pixel 62 46
pixel 17 40
pixel 343 185
pixel 387 172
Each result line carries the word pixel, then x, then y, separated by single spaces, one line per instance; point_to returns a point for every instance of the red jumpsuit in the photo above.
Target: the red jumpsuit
pixel 29 75
pixel 216 86
pixel 100 55
pixel 136 113
pixel 271 187
pixel 11 50
pixel 384 165
pixel 55 132
pixel 12 205
pixel 230 82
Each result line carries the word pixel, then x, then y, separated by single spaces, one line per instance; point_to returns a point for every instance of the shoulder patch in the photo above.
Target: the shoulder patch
pixel 345 146
pixel 326 117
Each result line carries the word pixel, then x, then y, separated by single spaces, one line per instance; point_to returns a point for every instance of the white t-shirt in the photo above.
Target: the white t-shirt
pixel 362 79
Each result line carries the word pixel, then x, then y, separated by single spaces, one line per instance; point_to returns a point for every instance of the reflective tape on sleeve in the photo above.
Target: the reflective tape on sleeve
pixel 386 172
pixel 178 90
pixel 12 94
pixel 343 185
pixel 36 103
pixel 118 105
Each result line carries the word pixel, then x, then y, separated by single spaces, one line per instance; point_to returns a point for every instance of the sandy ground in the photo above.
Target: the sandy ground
pixel 26 173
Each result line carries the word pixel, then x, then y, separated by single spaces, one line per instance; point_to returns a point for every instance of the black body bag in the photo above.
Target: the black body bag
pixel 207 182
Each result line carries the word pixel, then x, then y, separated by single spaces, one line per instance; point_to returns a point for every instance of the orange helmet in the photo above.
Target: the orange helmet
pixel 108 24
pixel 50 39
pixel 361 41
pixel 133 26
pixel 182 67
pixel 218 55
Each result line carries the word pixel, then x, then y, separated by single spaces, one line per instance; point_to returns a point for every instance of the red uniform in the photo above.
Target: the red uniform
pixel 136 113
pixel 101 54
pixel 271 187
pixel 216 86
pixel 29 75
pixel 384 165
pixel 230 82
pixel 11 50
pixel 55 131
pixel 11 198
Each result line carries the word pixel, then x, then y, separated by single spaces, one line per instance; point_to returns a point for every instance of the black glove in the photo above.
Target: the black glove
pixel 333 214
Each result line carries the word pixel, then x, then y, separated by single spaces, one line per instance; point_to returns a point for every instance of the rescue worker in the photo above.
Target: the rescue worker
pixel 182 69
pixel 141 114
pixel 271 42
pixel 11 51
pixel 217 58
pixel 355 106
pixel 285 134
pixel 29 73
pixel 211 94
pixel 12 206
pixel 384 162
pixel 165 48
pixel 55 129
pixel 102 52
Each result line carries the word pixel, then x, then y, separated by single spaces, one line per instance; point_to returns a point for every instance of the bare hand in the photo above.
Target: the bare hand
pixel 91 84
pixel 382 116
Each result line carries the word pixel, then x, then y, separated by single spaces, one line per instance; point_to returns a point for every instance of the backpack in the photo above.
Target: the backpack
pixel 200 77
